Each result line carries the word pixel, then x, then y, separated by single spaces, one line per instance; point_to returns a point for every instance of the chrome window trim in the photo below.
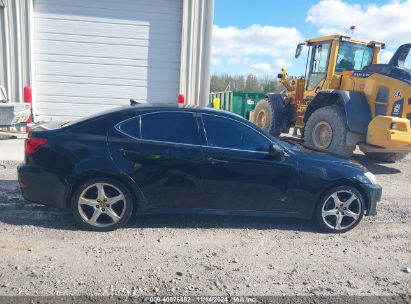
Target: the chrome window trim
pixel 235 150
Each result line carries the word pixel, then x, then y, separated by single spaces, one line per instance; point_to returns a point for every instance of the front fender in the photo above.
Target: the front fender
pixel 357 110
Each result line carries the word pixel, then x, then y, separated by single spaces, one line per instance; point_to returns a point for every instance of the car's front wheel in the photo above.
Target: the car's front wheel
pixel 101 205
pixel 340 209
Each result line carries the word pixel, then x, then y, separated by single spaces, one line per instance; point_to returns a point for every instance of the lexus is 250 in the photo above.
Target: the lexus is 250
pixel 143 159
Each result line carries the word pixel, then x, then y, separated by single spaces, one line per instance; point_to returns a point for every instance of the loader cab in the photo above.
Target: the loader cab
pixel 330 56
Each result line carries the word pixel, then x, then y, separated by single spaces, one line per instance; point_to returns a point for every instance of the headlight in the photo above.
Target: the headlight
pixel 371 177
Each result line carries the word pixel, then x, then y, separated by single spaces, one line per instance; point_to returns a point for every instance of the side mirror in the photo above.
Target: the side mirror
pixel 299 50
pixel 276 151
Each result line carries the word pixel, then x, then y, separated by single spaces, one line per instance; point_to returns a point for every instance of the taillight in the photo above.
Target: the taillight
pixel 32 145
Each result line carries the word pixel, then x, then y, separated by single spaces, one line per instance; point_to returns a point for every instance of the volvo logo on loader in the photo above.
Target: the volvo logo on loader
pixel 398 94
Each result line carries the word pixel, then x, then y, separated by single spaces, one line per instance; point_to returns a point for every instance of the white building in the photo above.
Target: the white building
pixel 85 56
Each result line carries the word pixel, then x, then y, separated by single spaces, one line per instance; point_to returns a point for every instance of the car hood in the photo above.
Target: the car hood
pixel 325 159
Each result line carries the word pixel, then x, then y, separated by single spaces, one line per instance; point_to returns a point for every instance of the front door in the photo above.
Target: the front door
pixel 239 172
pixel 318 68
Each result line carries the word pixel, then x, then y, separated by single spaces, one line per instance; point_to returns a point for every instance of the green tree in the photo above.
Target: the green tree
pixel 269 84
pixel 216 84
pixel 252 84
pixel 239 82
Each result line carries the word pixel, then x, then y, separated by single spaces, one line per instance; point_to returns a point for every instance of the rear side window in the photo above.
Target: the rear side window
pixel 131 127
pixel 173 127
pixel 227 133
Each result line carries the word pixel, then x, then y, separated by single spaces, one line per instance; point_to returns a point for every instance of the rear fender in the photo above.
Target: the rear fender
pixel 357 110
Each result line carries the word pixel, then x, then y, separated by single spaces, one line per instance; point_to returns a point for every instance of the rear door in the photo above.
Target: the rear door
pixel 239 173
pixel 161 153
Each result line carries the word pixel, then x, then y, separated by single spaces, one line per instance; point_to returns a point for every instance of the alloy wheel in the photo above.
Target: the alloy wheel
pixel 102 205
pixel 341 210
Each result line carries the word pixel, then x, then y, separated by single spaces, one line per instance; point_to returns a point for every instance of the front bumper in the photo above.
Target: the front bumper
pixel 388 133
pixel 374 193
pixel 42 187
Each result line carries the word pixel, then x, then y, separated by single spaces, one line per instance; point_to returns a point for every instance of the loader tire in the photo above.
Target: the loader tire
pixel 272 115
pixel 326 130
pixel 386 157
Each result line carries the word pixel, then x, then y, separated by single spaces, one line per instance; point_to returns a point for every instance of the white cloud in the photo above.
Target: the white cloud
pixel 386 56
pixel 216 60
pixel 255 40
pixel 238 60
pixel 258 48
pixel 283 63
pixel 389 23
pixel 261 68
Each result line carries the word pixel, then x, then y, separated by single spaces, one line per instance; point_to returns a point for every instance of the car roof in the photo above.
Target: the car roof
pixel 148 107
pixel 124 112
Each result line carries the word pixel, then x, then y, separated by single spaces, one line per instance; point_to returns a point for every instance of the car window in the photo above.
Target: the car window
pixel 227 133
pixel 173 127
pixel 131 127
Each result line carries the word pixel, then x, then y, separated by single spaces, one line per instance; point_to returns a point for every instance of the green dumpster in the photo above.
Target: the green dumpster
pixel 241 103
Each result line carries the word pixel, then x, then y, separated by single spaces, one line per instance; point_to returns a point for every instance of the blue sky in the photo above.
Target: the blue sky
pixel 246 31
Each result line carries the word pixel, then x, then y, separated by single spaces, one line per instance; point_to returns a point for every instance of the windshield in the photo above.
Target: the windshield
pixel 353 56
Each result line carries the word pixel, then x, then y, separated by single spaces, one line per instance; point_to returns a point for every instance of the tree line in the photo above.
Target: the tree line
pixel 249 83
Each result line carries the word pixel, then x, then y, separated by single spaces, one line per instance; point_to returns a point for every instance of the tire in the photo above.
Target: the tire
pixel 386 157
pixel 326 130
pixel 111 207
pixel 350 217
pixel 273 115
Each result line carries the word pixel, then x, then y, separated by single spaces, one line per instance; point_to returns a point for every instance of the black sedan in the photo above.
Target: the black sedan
pixel 163 159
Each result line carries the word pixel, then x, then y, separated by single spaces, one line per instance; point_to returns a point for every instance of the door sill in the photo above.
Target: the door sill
pixel 226 212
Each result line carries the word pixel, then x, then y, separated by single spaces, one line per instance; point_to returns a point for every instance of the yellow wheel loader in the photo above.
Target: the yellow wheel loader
pixel 345 99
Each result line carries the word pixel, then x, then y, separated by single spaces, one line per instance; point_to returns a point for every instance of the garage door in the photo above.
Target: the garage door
pixel 94 55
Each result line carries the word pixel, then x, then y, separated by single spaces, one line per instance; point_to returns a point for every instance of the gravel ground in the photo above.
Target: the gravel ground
pixel 43 252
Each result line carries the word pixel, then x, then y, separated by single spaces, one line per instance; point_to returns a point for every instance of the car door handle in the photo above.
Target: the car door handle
pixel 129 152
pixel 214 160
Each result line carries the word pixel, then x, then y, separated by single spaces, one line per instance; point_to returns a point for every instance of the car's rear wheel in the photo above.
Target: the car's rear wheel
pixel 340 209
pixel 101 205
